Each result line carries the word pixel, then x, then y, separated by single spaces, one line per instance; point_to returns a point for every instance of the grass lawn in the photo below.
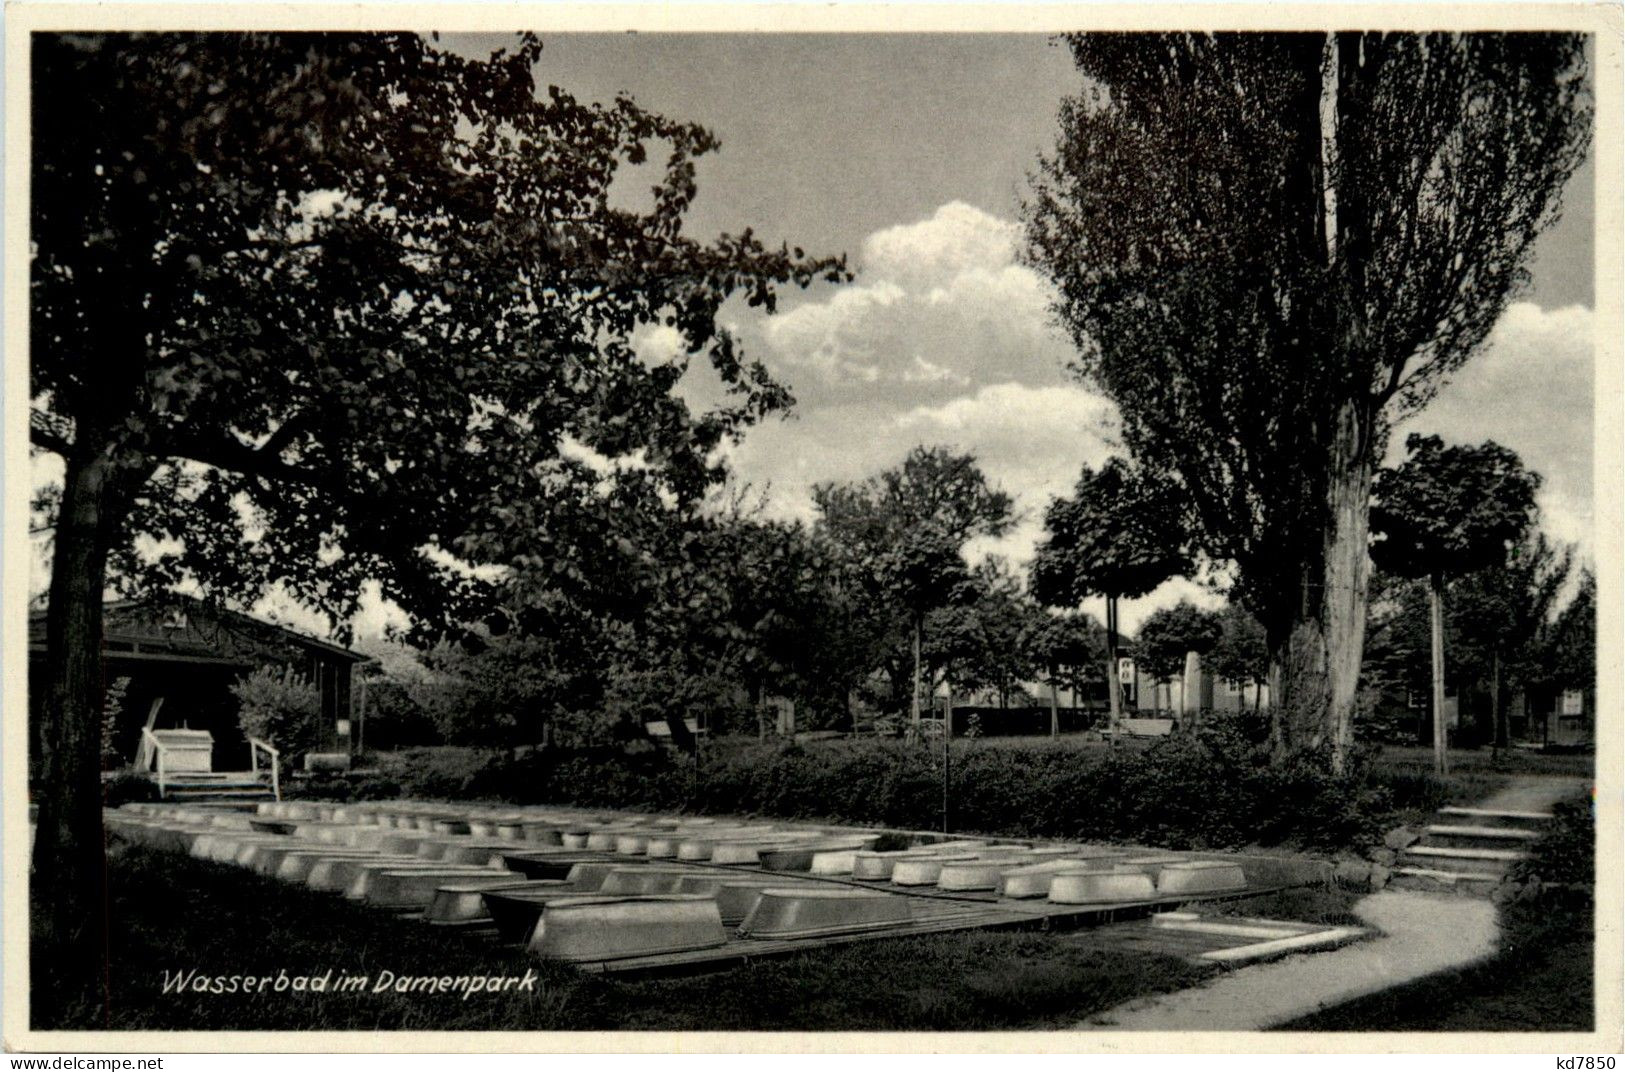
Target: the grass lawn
pixel 1330 905
pixel 1464 761
pixel 171 913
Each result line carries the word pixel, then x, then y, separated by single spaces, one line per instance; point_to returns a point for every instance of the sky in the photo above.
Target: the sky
pixel 910 153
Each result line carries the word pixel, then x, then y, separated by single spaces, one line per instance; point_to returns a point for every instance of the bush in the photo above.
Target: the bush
pixel 279 707
pixel 395 718
pixel 435 772
pixel 1567 854
pixel 128 787
pixel 1212 789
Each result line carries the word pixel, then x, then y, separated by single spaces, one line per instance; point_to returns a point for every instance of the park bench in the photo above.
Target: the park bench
pixel 661 732
pixel 1144 727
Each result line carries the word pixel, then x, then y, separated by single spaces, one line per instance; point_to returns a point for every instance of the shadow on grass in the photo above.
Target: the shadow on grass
pixel 172 914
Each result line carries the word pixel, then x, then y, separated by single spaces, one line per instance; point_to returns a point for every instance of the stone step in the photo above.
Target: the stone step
pixel 1497 816
pixel 1436 879
pixel 1502 832
pixel 1450 836
pixel 210 793
pixel 1502 855
pixel 1489 861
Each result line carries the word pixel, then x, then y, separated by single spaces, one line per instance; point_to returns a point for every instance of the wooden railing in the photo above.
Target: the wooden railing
pixel 255 746
pixel 152 747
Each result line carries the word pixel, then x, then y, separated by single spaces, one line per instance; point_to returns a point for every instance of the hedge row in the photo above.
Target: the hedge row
pixel 1217 791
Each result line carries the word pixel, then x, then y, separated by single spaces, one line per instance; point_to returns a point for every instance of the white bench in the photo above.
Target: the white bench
pixel 661 731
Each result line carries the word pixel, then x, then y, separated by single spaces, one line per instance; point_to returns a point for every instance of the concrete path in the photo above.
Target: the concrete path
pixel 1534 792
pixel 1419 934
pixel 1422 933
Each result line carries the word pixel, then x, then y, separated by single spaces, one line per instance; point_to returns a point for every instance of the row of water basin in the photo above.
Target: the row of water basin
pixel 589 886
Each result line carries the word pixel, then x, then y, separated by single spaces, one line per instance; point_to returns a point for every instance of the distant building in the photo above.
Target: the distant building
pixel 187 654
pixel 1565 718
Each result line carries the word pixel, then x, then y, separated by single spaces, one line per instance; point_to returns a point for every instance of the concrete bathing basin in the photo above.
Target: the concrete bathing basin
pixel 582 929
pixel 800 912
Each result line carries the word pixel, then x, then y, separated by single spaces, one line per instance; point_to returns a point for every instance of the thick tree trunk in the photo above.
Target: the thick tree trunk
pixel 1347 576
pixel 1315 671
pixel 69 862
pixel 1114 696
pixel 1441 759
pixel 1315 660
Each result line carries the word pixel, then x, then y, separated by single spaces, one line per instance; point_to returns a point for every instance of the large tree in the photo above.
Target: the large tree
pixel 1266 246
pixel 907 529
pixel 313 309
pixel 1120 535
pixel 980 635
pixel 1447 512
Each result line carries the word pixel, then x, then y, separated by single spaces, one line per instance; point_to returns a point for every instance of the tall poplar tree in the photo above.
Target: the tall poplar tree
pixel 1266 247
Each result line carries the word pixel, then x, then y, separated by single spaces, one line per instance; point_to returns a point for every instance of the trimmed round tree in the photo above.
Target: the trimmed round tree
pixel 1120 535
pixel 1055 643
pixel 1171 634
pixel 1449 511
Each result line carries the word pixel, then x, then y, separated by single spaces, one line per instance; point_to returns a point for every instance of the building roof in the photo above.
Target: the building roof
pixel 181 628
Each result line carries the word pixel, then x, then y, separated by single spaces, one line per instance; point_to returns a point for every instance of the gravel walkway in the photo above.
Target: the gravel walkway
pixel 1420 934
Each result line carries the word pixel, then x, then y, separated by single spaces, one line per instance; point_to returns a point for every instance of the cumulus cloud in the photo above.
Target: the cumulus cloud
pixel 939 305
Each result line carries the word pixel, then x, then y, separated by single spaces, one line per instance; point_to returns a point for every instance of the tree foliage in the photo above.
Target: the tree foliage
pixel 1061 645
pixel 1570 647
pixel 1168 633
pixel 904 533
pixel 275 269
pixel 1501 613
pixel 977 641
pixel 313 310
pixel 1241 653
pixel 1119 535
pixel 1503 626
pixel 1451 510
